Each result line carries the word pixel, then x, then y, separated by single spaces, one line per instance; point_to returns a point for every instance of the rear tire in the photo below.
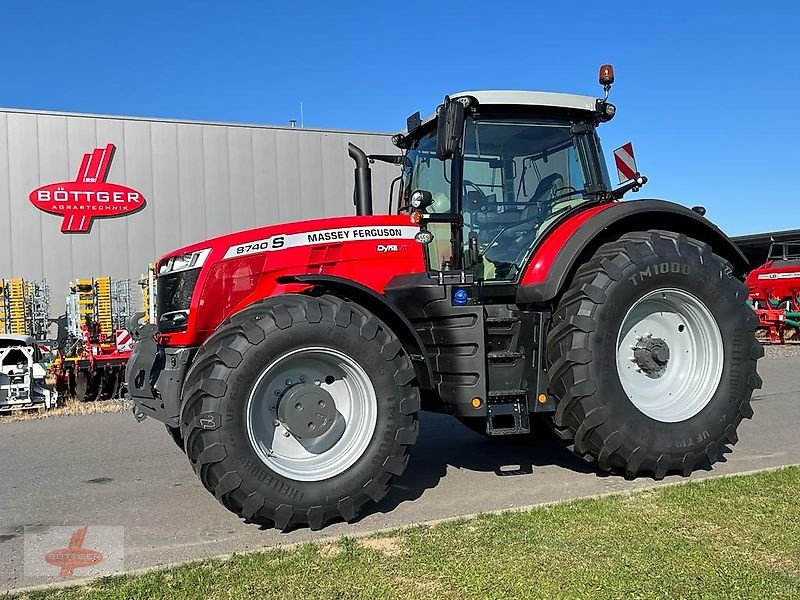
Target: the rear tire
pixel 242 456
pixel 637 414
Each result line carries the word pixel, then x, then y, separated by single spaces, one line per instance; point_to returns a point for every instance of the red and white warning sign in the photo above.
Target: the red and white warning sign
pixel 626 162
pixel 124 341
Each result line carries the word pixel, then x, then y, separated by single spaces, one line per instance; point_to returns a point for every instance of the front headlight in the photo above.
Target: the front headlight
pixel 184 262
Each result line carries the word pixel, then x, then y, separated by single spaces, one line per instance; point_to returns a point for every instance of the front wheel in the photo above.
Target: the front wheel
pixel 653 356
pixel 299 410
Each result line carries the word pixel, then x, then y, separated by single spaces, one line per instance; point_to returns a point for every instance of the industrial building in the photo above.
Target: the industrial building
pixel 166 184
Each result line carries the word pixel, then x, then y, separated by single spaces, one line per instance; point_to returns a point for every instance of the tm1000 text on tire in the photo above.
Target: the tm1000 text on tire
pixel 653 356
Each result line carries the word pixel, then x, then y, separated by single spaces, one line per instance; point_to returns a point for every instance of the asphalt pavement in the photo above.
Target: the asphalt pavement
pixel 106 469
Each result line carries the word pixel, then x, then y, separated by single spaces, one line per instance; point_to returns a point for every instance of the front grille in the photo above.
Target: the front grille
pixel 173 299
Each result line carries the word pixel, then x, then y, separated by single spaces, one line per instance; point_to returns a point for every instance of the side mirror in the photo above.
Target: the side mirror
pixel 450 128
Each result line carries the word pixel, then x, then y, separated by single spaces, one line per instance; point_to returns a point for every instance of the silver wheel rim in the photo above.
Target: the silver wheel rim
pixel 347 439
pixel 684 384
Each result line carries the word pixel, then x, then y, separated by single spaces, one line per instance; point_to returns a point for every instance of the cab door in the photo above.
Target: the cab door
pixel 519 176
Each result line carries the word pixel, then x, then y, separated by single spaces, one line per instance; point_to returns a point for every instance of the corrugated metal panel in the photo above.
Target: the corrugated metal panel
pixel 6 245
pixel 199 179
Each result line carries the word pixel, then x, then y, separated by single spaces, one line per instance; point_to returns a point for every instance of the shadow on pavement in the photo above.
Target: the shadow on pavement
pixel 444 442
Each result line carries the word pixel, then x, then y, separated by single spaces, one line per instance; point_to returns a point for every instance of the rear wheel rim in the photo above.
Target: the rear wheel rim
pixel 334 452
pixel 674 385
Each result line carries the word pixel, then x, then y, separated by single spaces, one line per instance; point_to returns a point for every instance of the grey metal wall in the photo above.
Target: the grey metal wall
pixel 199 179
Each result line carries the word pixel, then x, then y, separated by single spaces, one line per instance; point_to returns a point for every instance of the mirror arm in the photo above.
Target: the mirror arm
pixel 392 159
pixel 633 185
pixel 443 218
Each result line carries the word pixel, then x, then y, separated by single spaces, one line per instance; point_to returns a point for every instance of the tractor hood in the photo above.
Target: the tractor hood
pixel 200 285
pixel 373 228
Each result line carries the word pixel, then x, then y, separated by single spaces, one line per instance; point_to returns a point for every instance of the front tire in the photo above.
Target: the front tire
pixel 257 378
pixel 653 356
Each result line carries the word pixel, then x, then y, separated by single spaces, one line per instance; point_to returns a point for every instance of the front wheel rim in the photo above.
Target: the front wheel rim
pixel 348 438
pixel 669 355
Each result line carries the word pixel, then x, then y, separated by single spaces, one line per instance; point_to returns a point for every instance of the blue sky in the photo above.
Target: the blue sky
pixel 709 92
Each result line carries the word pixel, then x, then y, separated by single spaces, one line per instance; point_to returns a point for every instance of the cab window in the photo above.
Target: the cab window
pixel 423 171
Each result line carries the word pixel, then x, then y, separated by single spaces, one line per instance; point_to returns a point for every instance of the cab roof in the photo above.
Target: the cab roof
pixel 526 98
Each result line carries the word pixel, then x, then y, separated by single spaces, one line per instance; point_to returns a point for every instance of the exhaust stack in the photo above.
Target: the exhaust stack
pixel 362 194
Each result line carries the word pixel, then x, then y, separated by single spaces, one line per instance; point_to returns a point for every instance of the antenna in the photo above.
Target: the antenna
pixel 302 123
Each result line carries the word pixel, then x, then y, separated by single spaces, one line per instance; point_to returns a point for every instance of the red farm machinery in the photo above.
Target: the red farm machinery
pixel 509 284
pixel 775 293
pixel 91 363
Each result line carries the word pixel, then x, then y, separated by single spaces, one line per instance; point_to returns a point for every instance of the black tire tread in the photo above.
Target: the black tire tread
pixel 205 389
pixel 579 418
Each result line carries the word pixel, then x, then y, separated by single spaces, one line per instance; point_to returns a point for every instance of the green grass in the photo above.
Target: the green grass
pixel 735 537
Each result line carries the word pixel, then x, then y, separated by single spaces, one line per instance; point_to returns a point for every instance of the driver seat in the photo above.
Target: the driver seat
pixel 543 190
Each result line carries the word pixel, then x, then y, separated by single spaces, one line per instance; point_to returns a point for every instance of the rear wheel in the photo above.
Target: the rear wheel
pixel 653 356
pixel 300 410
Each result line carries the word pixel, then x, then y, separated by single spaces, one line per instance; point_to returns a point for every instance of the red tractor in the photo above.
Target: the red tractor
pixel 291 361
pixel 775 292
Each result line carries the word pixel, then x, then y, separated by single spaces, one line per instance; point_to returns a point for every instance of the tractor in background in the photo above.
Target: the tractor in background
pixel 775 293
pixel 291 362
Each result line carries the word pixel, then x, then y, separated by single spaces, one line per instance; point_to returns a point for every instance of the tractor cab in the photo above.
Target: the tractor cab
pixel 488 175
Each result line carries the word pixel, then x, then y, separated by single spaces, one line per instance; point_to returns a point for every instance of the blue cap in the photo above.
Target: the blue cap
pixel 460 297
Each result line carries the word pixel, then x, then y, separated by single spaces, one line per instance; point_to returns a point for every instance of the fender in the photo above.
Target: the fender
pixel 382 308
pixel 575 240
